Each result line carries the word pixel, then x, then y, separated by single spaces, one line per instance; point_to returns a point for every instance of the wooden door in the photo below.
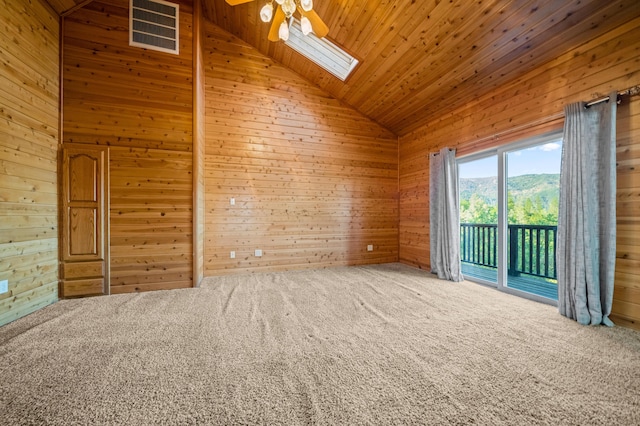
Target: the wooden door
pixel 85 207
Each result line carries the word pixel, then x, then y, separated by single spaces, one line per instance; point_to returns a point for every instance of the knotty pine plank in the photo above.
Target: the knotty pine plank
pixel 314 182
pixel 28 157
pixel 628 311
pixel 610 19
pixel 27 302
pixel 509 51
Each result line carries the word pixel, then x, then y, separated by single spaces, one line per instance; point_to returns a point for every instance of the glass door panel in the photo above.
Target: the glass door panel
pixel 478 188
pixel 532 198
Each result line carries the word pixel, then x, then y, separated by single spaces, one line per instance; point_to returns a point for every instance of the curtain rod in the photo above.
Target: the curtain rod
pixel 631 91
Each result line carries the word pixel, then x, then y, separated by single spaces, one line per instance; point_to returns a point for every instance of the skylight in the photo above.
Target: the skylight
pixel 321 51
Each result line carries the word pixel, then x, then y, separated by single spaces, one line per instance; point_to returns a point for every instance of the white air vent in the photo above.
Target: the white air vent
pixel 153 24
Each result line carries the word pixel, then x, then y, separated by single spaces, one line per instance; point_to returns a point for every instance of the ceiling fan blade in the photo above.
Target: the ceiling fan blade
pixel 275 25
pixel 237 2
pixel 319 27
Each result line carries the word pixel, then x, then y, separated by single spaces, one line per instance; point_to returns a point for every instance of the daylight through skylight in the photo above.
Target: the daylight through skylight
pixel 321 51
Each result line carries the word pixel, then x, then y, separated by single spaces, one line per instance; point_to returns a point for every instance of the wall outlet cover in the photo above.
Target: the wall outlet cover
pixel 232 255
pixel 370 247
pixel 4 286
pixel 258 253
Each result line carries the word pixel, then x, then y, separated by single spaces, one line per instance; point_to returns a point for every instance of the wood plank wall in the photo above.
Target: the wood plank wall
pixel 626 293
pixel 314 181
pixel 139 102
pixel 29 123
pixel 610 62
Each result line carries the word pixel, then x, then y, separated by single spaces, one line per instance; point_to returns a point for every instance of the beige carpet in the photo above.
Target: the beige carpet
pixel 383 344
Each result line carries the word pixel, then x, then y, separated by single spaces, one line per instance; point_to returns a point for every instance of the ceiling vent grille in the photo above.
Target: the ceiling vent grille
pixel 153 24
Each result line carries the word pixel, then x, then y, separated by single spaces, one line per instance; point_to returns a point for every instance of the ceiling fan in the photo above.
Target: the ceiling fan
pixel 284 10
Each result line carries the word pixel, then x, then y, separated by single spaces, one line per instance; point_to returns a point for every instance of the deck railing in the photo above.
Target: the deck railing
pixel 531 249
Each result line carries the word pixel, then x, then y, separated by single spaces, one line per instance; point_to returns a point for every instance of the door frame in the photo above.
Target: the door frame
pixel 501 153
pixel 105 195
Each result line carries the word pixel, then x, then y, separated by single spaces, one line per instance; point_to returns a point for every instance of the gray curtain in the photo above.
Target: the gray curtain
pixel 444 221
pixel 586 251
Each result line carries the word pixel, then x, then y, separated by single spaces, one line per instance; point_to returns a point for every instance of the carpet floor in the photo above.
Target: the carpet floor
pixel 382 344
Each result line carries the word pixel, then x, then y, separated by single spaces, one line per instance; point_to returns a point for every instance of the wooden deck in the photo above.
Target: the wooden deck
pixel 527 283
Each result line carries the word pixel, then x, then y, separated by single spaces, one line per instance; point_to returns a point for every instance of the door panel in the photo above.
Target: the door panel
pixel 85 287
pixel 533 196
pixel 478 186
pixel 83 177
pixel 83 269
pixel 83 232
pixel 85 206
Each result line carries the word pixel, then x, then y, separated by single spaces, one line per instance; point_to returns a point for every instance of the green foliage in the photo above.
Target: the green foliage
pixel 531 200
pixel 477 210
pixel 529 211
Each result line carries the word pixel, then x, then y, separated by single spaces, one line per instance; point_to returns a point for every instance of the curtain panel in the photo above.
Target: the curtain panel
pixel 586 251
pixel 444 216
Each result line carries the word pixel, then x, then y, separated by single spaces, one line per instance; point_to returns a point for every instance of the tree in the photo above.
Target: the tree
pixel 476 210
pixel 521 211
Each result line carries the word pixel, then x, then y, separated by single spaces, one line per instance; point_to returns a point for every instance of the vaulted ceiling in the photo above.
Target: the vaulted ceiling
pixel 421 59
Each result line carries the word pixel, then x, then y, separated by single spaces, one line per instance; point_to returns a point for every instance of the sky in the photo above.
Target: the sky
pixel 539 159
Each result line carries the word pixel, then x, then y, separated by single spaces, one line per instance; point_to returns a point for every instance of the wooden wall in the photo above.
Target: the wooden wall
pixel 139 102
pixel 607 63
pixel 314 181
pixel 626 294
pixel 29 123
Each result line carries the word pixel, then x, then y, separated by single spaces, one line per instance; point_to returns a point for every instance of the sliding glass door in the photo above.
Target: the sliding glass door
pixel 509 216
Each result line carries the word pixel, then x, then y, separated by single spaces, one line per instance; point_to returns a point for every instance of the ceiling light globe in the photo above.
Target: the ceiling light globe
pixel 283 31
pixel 289 7
pixel 305 25
pixel 266 13
pixel 306 5
pixel 280 2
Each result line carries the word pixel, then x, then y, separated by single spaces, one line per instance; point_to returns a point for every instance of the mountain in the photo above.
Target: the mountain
pixel 521 187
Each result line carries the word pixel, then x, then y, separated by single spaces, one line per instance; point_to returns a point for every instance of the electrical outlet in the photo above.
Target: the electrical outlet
pixel 4 286
pixel 258 253
pixel 232 201
pixel 232 255
pixel 370 247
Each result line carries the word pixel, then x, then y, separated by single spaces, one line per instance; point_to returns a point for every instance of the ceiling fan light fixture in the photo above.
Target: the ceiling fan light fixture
pixel 283 31
pixel 306 5
pixel 281 14
pixel 266 13
pixel 305 25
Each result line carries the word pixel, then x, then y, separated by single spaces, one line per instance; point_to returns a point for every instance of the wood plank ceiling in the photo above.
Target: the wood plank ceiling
pixel 421 59
pixel 62 7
